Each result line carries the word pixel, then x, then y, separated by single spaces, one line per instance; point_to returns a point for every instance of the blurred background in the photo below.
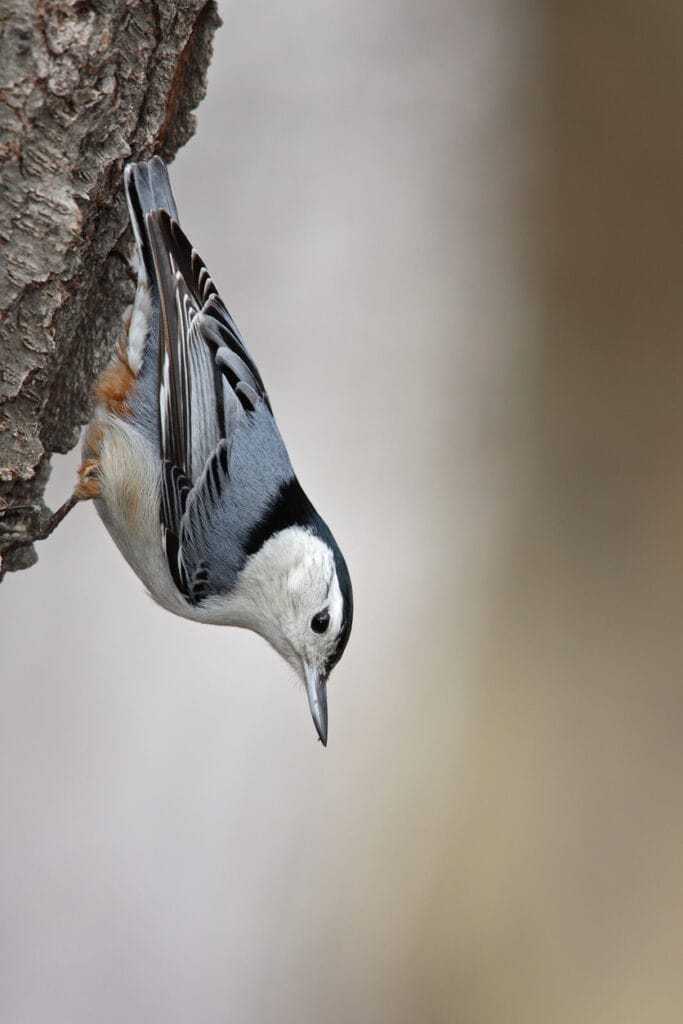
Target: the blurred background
pixel 452 234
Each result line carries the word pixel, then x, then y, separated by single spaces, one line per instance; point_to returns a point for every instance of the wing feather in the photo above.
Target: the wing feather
pixel 214 417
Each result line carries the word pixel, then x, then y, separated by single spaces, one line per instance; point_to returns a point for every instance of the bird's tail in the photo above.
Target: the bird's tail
pixel 147 188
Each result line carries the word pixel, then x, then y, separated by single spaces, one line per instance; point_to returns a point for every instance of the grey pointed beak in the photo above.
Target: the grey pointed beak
pixel 316 687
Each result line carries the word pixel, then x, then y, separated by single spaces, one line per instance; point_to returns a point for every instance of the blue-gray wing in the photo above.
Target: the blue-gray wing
pixel 223 460
pixel 241 483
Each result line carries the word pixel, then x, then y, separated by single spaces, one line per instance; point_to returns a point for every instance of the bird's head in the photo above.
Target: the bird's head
pixel 298 590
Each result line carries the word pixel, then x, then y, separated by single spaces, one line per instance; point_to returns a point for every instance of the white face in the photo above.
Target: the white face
pixel 291 590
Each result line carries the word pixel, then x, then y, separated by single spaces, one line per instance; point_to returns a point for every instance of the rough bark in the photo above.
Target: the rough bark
pixel 85 85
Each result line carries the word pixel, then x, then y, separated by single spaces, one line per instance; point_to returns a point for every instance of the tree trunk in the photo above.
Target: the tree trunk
pixel 85 86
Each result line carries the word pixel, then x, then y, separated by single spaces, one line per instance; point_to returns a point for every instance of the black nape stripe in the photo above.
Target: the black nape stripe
pixel 291 507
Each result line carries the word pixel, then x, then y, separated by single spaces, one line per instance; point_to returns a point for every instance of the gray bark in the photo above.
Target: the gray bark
pixel 85 85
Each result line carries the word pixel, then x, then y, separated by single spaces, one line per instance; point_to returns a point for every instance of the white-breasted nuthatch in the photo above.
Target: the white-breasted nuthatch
pixel 189 472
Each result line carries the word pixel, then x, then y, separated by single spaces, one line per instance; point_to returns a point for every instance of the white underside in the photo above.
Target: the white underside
pixel 129 508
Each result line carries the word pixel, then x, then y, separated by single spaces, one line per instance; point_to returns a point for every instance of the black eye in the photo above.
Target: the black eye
pixel 320 622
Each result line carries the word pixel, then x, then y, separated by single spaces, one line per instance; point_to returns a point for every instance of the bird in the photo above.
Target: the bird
pixel 187 468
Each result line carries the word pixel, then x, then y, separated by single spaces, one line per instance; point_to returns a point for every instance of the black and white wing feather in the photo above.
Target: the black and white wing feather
pixel 223 461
